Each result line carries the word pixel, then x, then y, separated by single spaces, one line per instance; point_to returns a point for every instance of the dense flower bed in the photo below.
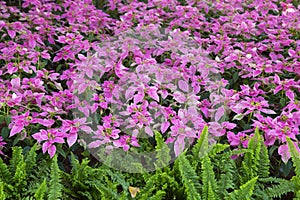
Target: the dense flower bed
pixel 52 54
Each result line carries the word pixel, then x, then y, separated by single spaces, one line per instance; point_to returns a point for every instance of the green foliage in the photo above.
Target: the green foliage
pixel 245 191
pixel 189 178
pixel 296 163
pixel 208 179
pixel 162 151
pixel 41 191
pixel 295 156
pixel 278 187
pixel 2 194
pixel 55 187
pixel 201 148
pixel 204 172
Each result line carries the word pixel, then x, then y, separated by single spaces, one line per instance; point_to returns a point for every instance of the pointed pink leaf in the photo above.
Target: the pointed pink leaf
pixel 71 139
pixel 153 94
pixel 81 88
pixel 183 85
pixel 16 129
pixel 89 72
pixel 138 97
pixel 164 126
pixel 52 150
pixel 15 82
pixel 290 95
pixel 95 144
pixel 45 146
pixel 179 145
pixel 11 33
pixel 86 128
pixel 220 112
pixel 283 150
pixel 149 131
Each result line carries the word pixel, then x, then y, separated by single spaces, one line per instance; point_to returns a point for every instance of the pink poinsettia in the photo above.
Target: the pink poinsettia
pixel 50 137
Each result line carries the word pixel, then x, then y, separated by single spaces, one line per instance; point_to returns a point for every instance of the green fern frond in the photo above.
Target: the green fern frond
pixel 2 193
pixel 227 172
pixel 20 174
pixel 160 181
pixel 41 191
pixel 209 184
pixel 189 178
pixel 217 148
pixel 201 148
pixel 30 159
pixel 55 188
pixel 295 156
pixel 4 171
pixel 264 166
pixel 160 195
pixel 251 162
pixel 245 192
pixel 277 190
pixel 162 151
pixel 17 157
pixel 117 177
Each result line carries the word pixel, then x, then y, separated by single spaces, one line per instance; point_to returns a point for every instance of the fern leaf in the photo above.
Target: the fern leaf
pixel 17 157
pixel 295 156
pixel 208 179
pixel 55 185
pixel 162 151
pixel 251 162
pixel 217 148
pixel 245 191
pixel 2 193
pixel 200 149
pixel 20 175
pixel 40 192
pixel 189 178
pixel 158 196
pixel 264 166
pixel 277 190
pixel 4 171
pixel 30 159
pixel 227 173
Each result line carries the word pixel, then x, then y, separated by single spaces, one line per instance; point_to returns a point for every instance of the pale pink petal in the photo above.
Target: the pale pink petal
pixel 46 122
pixel 283 150
pixel 16 129
pixel 45 146
pixel 81 88
pixel 149 131
pixel 11 33
pixel 52 150
pixel 183 85
pixel 290 95
pixel 95 144
pixel 220 112
pixel 86 128
pixel 164 126
pixel 71 139
pixel 153 94
pixel 179 145
pixel 138 97
pixel 15 82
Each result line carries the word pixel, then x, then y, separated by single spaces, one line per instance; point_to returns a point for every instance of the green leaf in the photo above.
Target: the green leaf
pixel 295 156
pixel 41 191
pixel 189 178
pixel 245 192
pixel 201 147
pixel 238 117
pixel 162 151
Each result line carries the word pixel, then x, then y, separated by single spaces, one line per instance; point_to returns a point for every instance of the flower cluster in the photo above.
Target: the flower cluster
pixel 231 65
